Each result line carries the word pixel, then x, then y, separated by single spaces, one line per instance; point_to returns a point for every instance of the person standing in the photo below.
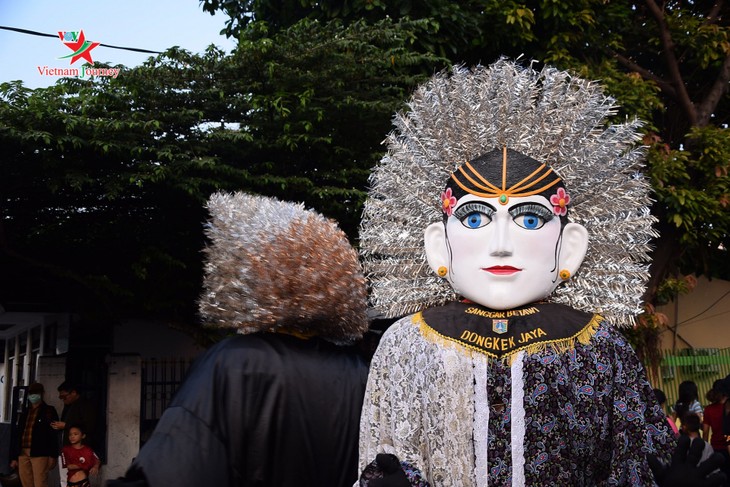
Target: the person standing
pixel 34 447
pixel 712 422
pixel 688 402
pixel 661 398
pixel 78 458
pixel 76 410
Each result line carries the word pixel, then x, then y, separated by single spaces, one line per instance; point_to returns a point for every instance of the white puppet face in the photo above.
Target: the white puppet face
pixel 505 254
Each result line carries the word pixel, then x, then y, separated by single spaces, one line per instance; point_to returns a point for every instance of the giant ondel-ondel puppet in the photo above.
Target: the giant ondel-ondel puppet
pixel 508 368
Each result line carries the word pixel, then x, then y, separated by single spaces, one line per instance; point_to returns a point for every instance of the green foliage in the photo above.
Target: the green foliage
pixel 319 99
pixel 98 187
pixel 453 26
pixel 105 181
pixel 673 287
pixel 692 188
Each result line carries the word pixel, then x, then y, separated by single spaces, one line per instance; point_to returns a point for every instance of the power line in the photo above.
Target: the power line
pixel 41 34
pixel 705 310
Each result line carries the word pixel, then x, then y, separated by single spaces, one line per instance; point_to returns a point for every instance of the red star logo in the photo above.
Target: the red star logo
pixel 81 48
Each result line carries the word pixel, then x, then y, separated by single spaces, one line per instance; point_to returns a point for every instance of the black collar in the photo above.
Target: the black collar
pixel 502 333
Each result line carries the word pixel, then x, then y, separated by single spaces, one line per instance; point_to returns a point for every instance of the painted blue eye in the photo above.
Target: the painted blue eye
pixel 474 214
pixel 529 221
pixel 530 216
pixel 475 219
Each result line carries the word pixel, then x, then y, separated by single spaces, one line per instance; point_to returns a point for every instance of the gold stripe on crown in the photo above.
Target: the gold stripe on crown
pixel 489 190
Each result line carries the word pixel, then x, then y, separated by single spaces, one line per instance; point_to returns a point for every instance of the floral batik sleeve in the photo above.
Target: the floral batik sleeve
pixel 639 426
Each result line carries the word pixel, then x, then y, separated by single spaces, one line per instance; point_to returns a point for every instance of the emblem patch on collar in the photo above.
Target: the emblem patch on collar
pixel 500 326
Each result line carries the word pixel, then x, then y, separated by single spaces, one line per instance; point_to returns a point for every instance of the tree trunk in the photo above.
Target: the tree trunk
pixel 664 258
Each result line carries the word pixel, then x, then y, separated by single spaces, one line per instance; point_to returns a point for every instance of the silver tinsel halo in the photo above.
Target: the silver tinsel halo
pixel 550 116
pixel 274 266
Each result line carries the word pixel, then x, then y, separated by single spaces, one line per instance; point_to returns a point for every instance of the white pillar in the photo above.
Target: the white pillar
pixel 123 414
pixel 51 373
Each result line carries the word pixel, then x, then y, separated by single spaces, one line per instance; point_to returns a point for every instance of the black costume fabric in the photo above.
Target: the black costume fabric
pixel 260 410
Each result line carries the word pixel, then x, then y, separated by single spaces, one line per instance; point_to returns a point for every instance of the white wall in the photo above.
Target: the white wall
pixel 702 316
pixel 123 413
pixel 134 341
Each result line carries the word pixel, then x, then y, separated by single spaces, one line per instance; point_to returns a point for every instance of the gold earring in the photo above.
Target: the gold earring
pixel 564 274
pixel 442 271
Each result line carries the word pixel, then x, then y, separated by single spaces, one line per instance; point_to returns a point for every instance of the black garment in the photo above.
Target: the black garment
pixel 260 410
pixel 44 439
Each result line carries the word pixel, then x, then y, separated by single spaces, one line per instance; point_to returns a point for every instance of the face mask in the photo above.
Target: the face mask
pixel 34 398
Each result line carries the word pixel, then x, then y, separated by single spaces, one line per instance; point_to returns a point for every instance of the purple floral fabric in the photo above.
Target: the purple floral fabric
pixel 591 417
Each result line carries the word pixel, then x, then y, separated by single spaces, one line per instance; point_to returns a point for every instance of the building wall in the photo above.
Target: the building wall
pixel 701 318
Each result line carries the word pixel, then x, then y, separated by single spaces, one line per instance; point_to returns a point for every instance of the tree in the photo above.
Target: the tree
pixel 100 186
pixel 452 24
pixel 104 185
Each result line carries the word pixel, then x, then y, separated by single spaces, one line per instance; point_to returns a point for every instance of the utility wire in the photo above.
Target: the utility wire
pixel 41 34
pixel 705 310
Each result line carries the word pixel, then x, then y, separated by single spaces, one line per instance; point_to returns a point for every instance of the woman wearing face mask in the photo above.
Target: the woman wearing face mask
pixel 34 445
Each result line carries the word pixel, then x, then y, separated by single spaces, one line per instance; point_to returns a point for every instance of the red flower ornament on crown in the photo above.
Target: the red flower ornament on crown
pixel 560 202
pixel 448 202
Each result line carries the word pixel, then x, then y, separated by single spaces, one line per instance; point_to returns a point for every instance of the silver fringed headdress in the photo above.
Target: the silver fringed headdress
pixel 274 266
pixel 550 116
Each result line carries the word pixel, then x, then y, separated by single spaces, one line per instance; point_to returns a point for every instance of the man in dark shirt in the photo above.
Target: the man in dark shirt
pixel 77 410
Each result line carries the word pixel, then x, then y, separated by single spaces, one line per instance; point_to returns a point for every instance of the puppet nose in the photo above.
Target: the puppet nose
pixel 500 243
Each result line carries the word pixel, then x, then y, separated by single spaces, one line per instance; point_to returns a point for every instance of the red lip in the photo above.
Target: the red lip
pixel 502 270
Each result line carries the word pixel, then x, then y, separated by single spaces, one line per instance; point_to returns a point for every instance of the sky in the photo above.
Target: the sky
pixel 154 25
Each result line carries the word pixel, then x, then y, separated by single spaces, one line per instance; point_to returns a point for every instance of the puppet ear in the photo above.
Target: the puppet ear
pixel 573 248
pixel 436 251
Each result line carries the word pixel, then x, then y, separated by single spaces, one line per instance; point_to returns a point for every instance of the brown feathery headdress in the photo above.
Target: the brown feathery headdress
pixel 274 266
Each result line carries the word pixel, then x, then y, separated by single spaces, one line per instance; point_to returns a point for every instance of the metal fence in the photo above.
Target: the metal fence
pixel 703 366
pixel 160 380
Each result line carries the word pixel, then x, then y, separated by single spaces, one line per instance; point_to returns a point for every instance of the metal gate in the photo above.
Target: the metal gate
pixel 160 380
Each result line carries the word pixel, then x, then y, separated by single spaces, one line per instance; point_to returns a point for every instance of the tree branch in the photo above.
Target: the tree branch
pixel 717 91
pixel 663 261
pixel 714 12
pixel 675 75
pixel 665 86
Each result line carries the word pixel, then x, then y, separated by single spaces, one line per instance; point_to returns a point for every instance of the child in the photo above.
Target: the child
pixel 688 401
pixel 78 458
pixel 691 427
